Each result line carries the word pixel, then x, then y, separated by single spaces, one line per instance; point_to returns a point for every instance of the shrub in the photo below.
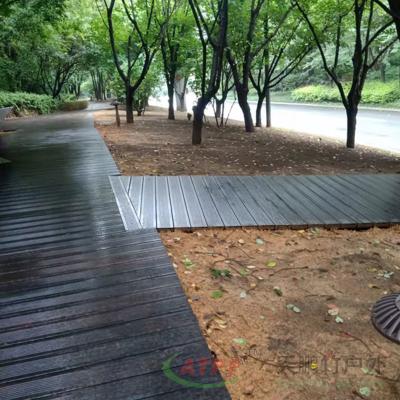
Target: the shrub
pixel 316 94
pixel 25 102
pixel 381 93
pixel 375 92
pixel 74 105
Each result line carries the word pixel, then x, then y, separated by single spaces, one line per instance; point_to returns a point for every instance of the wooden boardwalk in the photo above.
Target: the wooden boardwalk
pixel 87 310
pixel 264 201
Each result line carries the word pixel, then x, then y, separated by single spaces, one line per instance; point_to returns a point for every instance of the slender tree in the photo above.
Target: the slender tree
pixel 240 53
pixel 173 46
pixel 133 60
pixel 363 12
pixel 220 98
pixel 285 48
pixel 212 24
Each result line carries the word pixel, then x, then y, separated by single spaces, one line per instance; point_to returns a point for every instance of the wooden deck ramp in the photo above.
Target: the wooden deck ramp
pixel 266 201
pixel 87 310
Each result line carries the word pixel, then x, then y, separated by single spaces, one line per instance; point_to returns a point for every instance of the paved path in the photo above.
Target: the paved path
pixel 379 129
pixel 264 201
pixel 87 310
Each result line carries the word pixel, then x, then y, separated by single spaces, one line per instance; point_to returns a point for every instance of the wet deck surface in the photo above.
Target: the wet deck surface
pixel 87 310
pixel 265 201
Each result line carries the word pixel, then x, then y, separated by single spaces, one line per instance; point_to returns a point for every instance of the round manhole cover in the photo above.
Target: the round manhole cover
pixel 386 316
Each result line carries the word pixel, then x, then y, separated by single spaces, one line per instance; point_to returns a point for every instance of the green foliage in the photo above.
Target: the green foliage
pixel 374 92
pixel 381 93
pixel 316 94
pixel 220 273
pixel 25 102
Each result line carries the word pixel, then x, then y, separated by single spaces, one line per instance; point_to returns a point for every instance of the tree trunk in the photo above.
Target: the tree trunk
pixel 218 107
pixel 198 115
pixel 351 112
pixel 182 102
pixel 258 111
pixel 268 106
pixel 180 91
pixel 244 105
pixel 383 72
pixel 171 112
pixel 395 8
pixel 129 105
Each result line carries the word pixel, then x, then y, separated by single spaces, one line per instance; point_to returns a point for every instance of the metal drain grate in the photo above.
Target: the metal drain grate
pixel 386 316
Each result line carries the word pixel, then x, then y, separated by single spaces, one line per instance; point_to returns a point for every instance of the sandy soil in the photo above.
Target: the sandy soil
pixel 156 146
pixel 245 287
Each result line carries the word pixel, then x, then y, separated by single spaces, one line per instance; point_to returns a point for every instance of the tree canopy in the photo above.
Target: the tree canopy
pixel 129 49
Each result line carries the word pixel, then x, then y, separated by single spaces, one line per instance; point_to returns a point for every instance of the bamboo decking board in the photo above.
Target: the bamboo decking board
pixel 265 201
pixel 87 310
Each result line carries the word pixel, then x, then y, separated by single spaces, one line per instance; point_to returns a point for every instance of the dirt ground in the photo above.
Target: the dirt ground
pixel 288 312
pixel 156 146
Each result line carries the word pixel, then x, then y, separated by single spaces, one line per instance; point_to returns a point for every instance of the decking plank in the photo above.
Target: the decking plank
pixel 321 206
pixel 222 205
pixel 211 213
pixel 378 188
pixel 258 191
pixel 360 215
pixel 148 207
pixel 345 215
pixel 163 202
pixel 179 211
pixel 291 199
pixel 192 202
pixel 283 201
pixel 128 214
pixel 241 212
pixel 360 198
pixel 136 194
pixel 258 213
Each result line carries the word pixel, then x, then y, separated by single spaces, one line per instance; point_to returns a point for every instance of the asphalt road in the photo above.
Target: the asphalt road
pixel 375 128
pixel 380 129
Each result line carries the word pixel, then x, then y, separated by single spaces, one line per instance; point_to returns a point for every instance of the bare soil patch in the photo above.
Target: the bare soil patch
pixel 156 146
pixel 288 312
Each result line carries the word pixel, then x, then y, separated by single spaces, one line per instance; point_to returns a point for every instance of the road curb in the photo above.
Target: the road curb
pixel 332 106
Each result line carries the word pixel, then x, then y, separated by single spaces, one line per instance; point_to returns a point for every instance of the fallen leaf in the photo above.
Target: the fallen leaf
pixel 278 291
pixel 216 294
pixel 271 264
pixel 373 286
pixel 366 371
pixel 365 391
pixel 240 341
pixel 333 310
pixel 188 263
pixel 387 275
pixel 339 320
pixel 293 308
